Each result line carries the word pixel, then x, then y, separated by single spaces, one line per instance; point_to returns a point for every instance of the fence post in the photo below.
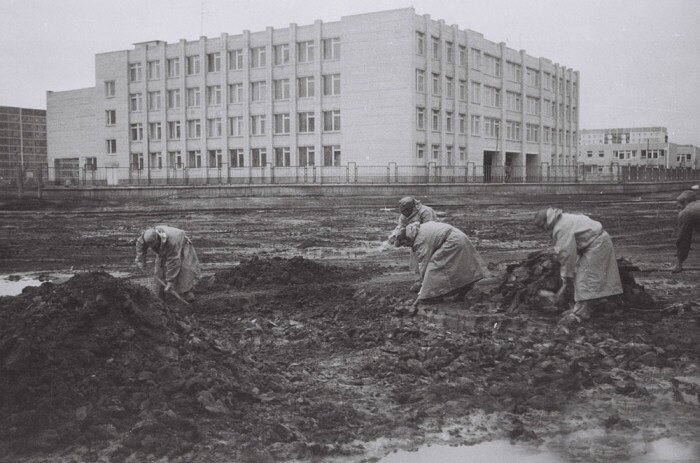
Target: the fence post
pixel 20 182
pixel 39 181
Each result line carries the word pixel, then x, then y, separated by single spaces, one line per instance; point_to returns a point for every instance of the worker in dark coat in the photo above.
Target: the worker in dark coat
pixel 688 222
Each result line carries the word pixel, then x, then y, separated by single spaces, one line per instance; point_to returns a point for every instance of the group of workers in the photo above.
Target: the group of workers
pixel 446 261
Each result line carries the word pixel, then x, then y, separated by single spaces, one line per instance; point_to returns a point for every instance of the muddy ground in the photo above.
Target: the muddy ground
pixel 318 358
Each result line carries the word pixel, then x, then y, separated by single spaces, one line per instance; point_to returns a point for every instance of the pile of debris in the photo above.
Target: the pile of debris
pixel 103 363
pixel 530 283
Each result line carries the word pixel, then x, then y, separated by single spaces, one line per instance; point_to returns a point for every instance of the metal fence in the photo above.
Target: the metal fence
pixel 43 176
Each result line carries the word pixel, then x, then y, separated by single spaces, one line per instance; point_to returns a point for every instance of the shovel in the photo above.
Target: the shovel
pixel 172 291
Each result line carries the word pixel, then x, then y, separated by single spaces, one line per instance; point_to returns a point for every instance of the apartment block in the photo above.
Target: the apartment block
pixel 22 140
pixel 372 89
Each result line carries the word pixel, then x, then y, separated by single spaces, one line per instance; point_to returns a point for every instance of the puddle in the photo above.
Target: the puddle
pixel 13 287
pixel 13 284
pixel 668 450
pixel 498 451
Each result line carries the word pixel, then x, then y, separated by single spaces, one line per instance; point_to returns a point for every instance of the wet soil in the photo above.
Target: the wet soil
pixel 284 358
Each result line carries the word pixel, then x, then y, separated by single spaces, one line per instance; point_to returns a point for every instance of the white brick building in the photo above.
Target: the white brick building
pixel 370 89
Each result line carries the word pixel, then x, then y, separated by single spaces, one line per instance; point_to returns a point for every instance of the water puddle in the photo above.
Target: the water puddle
pixel 498 451
pixel 13 284
pixel 668 450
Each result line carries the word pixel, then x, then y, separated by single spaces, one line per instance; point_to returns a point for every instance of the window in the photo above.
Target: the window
pixel 280 123
pixel 214 62
pixel 235 156
pixel 111 116
pixel 109 88
pixel 137 161
pixel 194 158
pixel 436 120
pixel 601 154
pixel 462 55
pixel 306 122
pixel 589 154
pixel 258 57
pixel 420 80
pixel 462 123
pixel 449 122
pixel 155 160
pixel 436 84
pixel 136 131
pixel 175 159
pixel 436 151
pixel 492 127
pixel 476 125
pixel 91 164
pixel 553 109
pixel 420 118
pixel 463 90
pixel 193 97
pixel 257 124
pixel 436 47
pixel 331 84
pixel 280 89
pixel 514 101
pixel 331 48
pixel 235 93
pixel 546 135
pixel 153 70
pixel 476 59
pixel 235 126
pixel 547 81
pixel 420 43
pixel 331 155
pixel 214 95
pixel 280 54
pixel 216 159
pixel 154 130
pixel 462 153
pixel 173 67
pixel 305 87
pixel 450 87
pixel 135 102
pixel 448 154
pixel 214 127
pixel 235 60
pixel 449 52
pixel 111 146
pixel 533 105
pixel 173 130
pixel 532 77
pixel 154 101
pixel 174 98
pixel 493 65
pixel 476 92
pixel 514 72
pixel 258 91
pixel 283 157
pixel 492 96
pixel 194 128
pixel 306 156
pixel 305 51
pixel 331 121
pixel 134 72
pixel 532 133
pixel 420 150
pixel 192 64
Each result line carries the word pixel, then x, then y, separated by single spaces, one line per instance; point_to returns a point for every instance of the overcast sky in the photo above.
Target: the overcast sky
pixel 639 59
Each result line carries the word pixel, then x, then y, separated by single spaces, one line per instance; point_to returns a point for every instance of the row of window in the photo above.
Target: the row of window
pixel 490 64
pixel 436 149
pixel 306 53
pixel 644 154
pixel 282 157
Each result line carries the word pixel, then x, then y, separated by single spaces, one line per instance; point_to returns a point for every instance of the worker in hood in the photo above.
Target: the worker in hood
pixel 688 221
pixel 176 260
pixel 447 261
pixel 586 255
pixel 411 211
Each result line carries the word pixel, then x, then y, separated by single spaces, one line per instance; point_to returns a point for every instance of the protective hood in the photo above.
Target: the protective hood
pixel 553 214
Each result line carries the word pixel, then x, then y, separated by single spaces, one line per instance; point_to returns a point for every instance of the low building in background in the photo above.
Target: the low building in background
pixel 381 89
pixel 22 141
pixel 685 155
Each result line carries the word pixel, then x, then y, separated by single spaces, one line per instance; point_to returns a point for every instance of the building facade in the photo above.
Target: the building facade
pixel 22 140
pixel 371 89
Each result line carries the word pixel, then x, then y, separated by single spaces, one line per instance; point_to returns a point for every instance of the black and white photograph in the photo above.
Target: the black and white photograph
pixel 349 232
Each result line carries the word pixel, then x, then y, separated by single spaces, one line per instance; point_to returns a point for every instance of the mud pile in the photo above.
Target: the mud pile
pixel 524 281
pixel 101 362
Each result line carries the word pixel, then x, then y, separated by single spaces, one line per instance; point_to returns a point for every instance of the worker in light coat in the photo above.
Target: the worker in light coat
pixel 176 260
pixel 586 255
pixel 688 222
pixel 447 261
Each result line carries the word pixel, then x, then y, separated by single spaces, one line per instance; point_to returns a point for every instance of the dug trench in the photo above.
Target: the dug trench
pixel 291 359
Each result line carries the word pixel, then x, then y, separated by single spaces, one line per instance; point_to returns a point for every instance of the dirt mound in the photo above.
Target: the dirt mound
pixel 523 282
pixel 278 271
pixel 101 362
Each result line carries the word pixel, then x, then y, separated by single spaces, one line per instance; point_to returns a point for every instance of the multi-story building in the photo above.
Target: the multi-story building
pixel 371 89
pixel 22 140
pixel 639 146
